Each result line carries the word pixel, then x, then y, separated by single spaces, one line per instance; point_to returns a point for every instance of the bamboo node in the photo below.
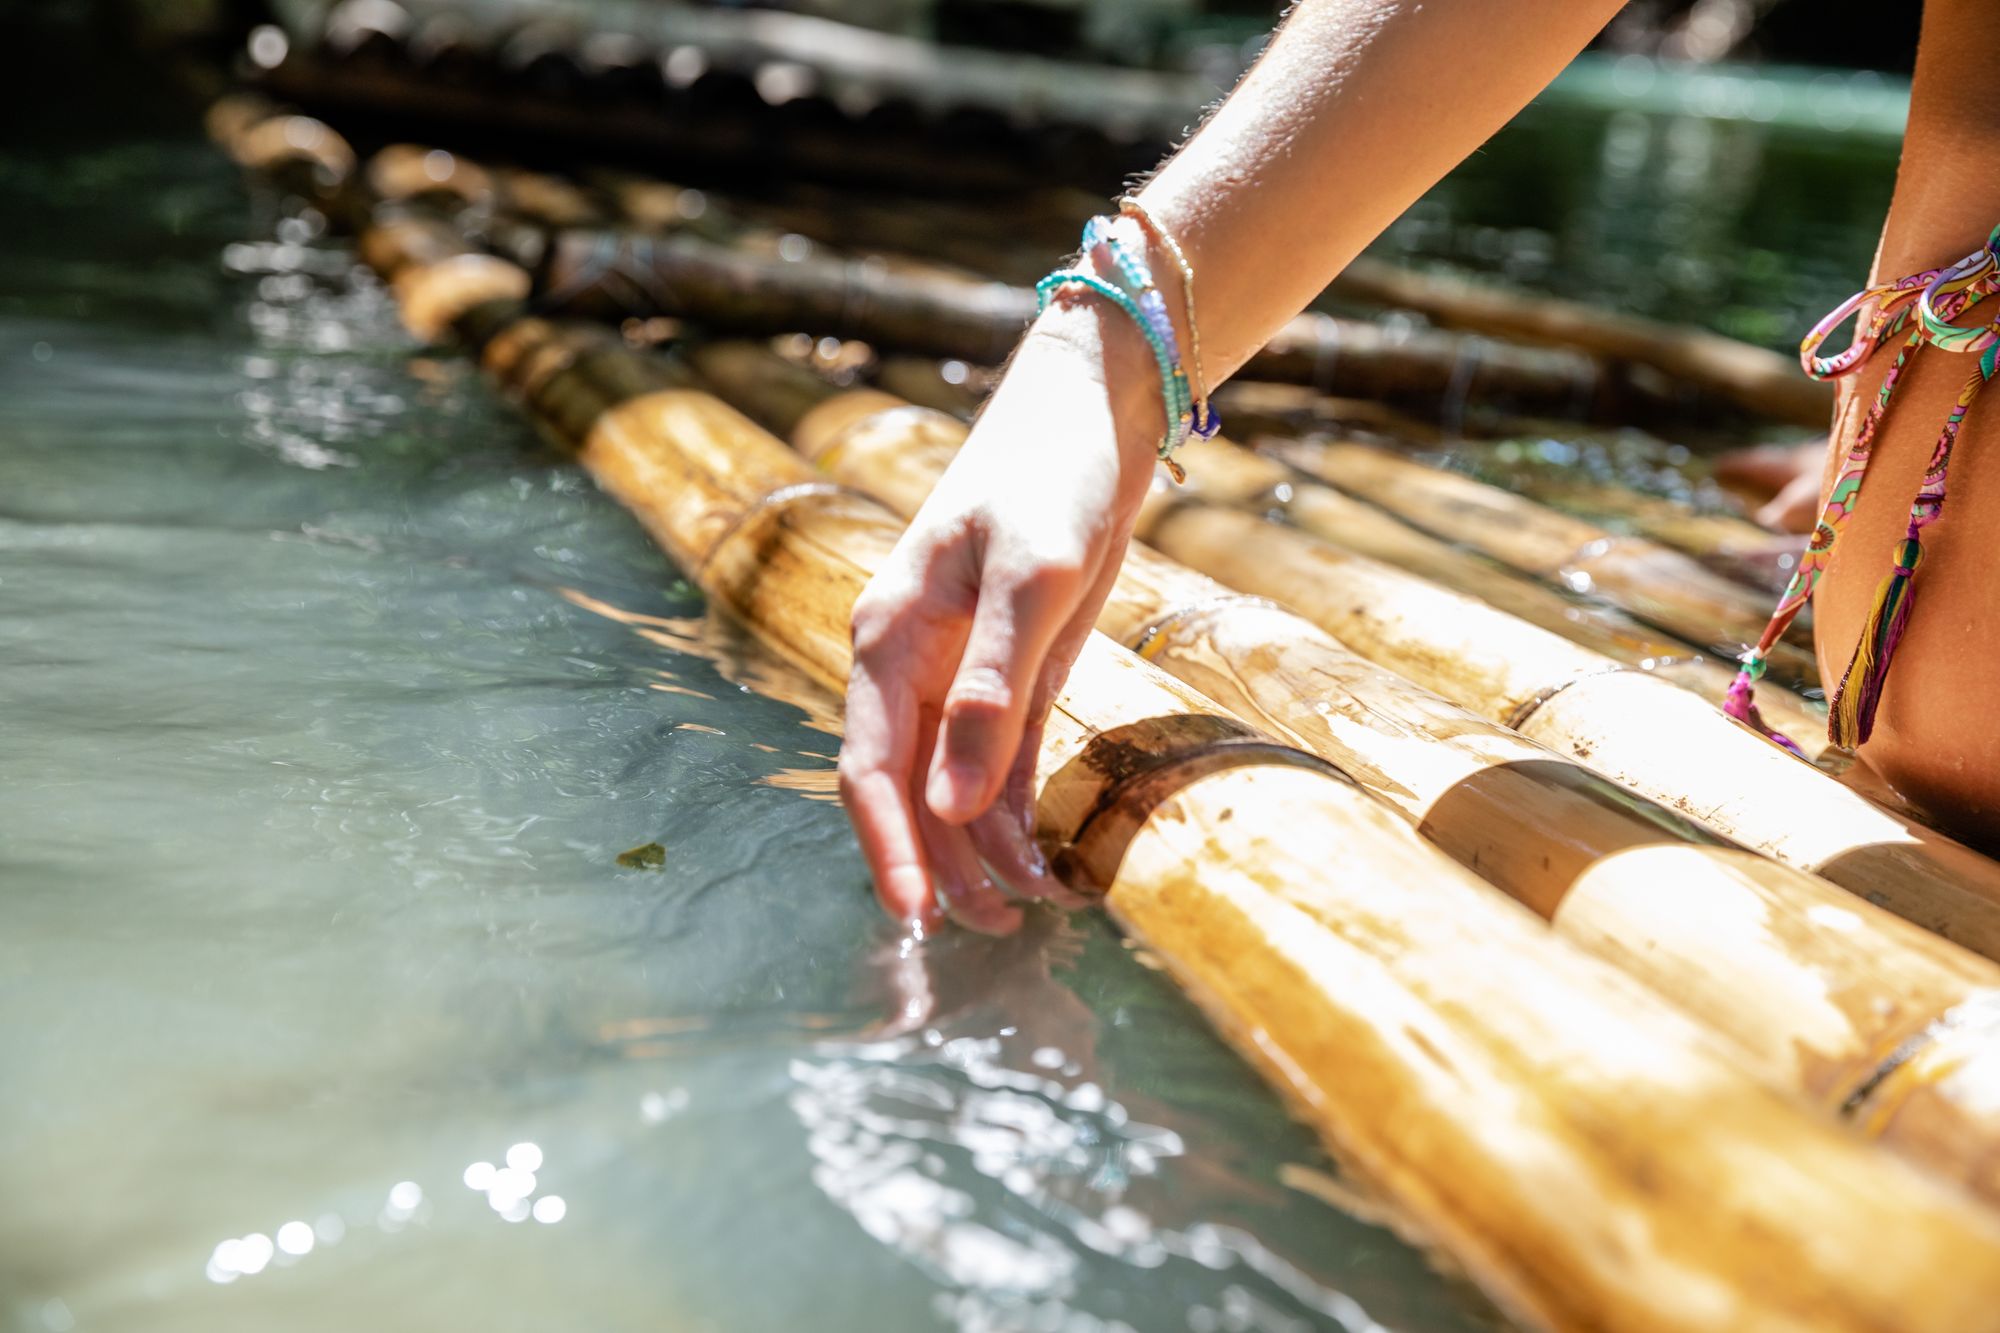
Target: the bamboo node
pixel 1148 642
pixel 770 503
pixel 1125 774
pixel 1528 706
pixel 1937 1051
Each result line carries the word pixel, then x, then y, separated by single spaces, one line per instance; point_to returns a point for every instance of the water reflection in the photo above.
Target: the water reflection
pixel 332 702
pixel 999 1162
pixel 1712 196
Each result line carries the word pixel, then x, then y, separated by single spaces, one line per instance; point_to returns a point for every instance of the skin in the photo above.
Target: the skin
pixel 1934 737
pixel 964 638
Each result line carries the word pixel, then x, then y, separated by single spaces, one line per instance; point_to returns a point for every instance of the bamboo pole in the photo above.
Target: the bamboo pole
pixel 725 116
pixel 297 151
pixel 1618 1172
pixel 1733 939
pixel 1224 474
pixel 1707 536
pixel 923 381
pixel 1017 247
pixel 1654 583
pixel 1752 377
pixel 612 274
pixel 1643 732
pixel 1624 1176
pixel 1733 547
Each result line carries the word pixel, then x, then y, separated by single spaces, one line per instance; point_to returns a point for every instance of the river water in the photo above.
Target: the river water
pixel 413 915
pixel 331 701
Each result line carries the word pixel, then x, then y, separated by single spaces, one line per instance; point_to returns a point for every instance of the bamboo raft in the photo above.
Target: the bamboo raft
pixel 1558 678
pixel 1233 477
pixel 1500 805
pixel 1592 1155
pixel 1658 583
pixel 1762 381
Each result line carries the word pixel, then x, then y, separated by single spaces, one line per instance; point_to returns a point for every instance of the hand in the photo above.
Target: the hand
pixel 1782 479
pixel 965 635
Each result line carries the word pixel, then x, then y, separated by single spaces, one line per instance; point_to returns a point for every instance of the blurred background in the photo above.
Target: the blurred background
pixel 1723 162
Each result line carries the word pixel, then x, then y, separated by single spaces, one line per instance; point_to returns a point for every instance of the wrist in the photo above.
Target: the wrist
pixel 1088 336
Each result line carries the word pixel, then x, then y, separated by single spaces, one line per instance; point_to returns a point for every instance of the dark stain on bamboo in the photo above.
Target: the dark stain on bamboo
pixel 1122 777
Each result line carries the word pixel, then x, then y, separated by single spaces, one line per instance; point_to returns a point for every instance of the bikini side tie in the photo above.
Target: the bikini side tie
pixel 1928 304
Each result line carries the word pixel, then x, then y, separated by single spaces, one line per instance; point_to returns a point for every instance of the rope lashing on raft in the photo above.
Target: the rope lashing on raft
pixel 1932 300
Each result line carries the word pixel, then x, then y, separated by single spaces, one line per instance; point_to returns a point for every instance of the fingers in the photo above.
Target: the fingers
pixel 1794 509
pixel 957 657
pixel 907 636
pixel 876 755
pixel 1017 617
pixel 969 896
pixel 1005 834
pixel 1005 837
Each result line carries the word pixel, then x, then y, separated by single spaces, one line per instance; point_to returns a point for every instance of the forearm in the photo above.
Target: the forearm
pixel 1356 108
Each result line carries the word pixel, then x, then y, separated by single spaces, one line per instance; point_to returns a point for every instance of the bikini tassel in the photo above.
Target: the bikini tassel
pixel 1852 718
pixel 1741 704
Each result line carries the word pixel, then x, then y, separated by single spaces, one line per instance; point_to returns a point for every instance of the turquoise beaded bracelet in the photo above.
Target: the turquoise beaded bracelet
pixel 1146 308
pixel 1173 384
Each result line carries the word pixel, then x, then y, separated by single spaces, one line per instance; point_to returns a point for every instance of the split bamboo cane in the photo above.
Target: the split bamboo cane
pixel 1653 582
pixel 1733 939
pixel 1622 1176
pixel 1620 1172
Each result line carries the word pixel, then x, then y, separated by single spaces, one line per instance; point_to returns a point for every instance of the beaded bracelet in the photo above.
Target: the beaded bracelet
pixel 1139 284
pixel 1177 416
pixel 1206 421
pixel 1140 299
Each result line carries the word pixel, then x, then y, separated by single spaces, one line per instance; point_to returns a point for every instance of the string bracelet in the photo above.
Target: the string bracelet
pixel 1130 268
pixel 1176 411
pixel 1135 294
pixel 1206 421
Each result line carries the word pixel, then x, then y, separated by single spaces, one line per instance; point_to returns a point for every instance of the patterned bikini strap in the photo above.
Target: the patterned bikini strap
pixel 1933 301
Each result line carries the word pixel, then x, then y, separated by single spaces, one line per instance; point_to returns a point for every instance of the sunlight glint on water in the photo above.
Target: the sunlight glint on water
pixel 331 702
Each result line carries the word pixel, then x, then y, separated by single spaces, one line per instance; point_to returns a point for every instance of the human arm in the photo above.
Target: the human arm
pixel 964 637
